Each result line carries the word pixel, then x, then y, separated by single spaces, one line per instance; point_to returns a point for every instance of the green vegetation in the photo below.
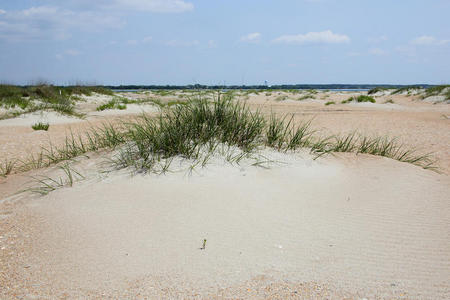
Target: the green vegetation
pixel 281 98
pixel 115 103
pixel 364 98
pixel 359 99
pixel 376 90
pixel 6 167
pixel 197 129
pixel 46 185
pixel 44 97
pixel 330 103
pixel 438 90
pixel 389 101
pixel 40 126
pixel 305 97
pixel 406 89
pixel 351 99
pixel 164 93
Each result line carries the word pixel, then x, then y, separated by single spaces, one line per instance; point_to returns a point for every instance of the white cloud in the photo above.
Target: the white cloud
pixel 160 6
pixel 377 52
pixel 61 18
pixel 132 42
pixel 427 40
pixel 50 22
pixel 251 37
pixel 324 37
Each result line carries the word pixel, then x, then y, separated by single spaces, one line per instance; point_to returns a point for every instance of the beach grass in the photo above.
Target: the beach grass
pixel 40 126
pixel 359 99
pixel 438 90
pixel 196 129
pixel 45 97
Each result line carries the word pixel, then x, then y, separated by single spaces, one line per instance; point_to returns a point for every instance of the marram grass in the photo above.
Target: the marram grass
pixel 196 129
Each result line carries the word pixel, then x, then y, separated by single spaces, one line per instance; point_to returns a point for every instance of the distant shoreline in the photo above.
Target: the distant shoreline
pixel 331 87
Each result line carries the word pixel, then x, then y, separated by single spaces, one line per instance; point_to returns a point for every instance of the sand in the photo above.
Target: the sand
pixel 30 119
pixel 343 226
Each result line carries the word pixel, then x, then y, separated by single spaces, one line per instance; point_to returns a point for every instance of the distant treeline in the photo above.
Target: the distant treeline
pixel 263 87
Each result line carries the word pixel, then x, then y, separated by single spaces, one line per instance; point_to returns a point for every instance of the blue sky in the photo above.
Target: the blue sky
pixel 228 41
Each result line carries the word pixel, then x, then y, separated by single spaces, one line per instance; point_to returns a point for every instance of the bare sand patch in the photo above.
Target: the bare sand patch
pixel 360 226
pixel 29 119
pixel 130 109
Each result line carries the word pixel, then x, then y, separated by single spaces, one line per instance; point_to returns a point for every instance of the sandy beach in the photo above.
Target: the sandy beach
pixel 343 226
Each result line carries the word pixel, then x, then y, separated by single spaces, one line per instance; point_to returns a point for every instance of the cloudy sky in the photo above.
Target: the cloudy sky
pixel 225 41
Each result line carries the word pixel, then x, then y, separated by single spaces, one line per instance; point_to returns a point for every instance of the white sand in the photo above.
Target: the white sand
pixel 131 109
pixel 367 225
pixel 29 119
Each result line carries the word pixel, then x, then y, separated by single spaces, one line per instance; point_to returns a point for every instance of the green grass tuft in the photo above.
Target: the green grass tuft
pixel 198 128
pixel 364 98
pixel 40 126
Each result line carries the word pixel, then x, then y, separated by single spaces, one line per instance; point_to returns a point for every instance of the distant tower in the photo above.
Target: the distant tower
pixel 265 83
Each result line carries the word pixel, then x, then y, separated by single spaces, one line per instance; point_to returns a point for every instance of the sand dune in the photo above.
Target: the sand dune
pixel 339 227
pixel 361 227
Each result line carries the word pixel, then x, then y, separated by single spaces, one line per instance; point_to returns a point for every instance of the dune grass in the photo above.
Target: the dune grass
pixel 40 126
pixel 199 128
pixel 407 89
pixel 443 90
pixel 359 99
pixel 330 103
pixel 6 167
pixel 376 90
pixel 45 97
pixel 45 184
pixel 112 104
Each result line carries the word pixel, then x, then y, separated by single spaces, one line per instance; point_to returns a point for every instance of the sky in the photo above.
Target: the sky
pixel 115 42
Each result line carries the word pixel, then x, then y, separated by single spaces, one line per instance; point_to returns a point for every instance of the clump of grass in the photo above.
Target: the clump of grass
pixel 196 129
pixel 6 167
pixel 45 97
pixel 359 99
pixel 40 126
pixel 115 103
pixel 406 89
pixel 46 184
pixel 305 97
pixel 389 101
pixel 330 103
pixel 438 90
pixel 163 93
pixel 376 90
pixel 364 98
pixel 351 99
pixel 281 98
